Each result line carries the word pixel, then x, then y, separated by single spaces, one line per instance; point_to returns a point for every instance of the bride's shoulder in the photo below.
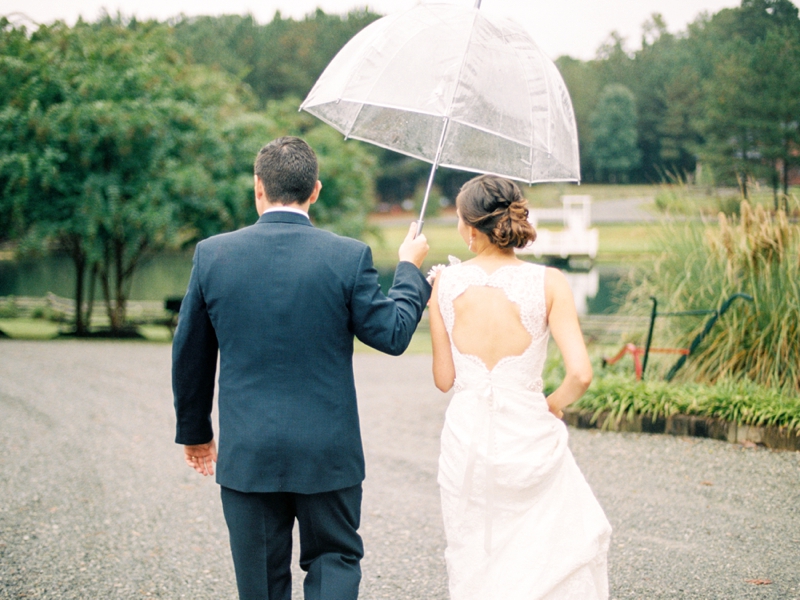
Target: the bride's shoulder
pixel 556 286
pixel 554 275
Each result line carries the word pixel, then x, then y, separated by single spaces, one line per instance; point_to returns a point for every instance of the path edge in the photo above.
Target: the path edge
pixel 770 436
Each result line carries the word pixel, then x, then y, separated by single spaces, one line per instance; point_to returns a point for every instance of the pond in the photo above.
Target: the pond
pixel 597 291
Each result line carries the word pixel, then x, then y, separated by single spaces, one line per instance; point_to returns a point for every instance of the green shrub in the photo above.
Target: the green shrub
pixel 9 309
pixel 47 313
pixel 742 402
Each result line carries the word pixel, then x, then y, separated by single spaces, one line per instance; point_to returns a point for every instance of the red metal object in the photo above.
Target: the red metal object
pixel 637 352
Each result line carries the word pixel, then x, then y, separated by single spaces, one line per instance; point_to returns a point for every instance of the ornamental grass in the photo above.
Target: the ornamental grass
pixel 701 265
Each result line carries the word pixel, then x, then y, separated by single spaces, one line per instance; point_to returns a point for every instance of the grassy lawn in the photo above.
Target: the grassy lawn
pixel 628 243
pixel 155 333
pixel 443 240
pixel 29 329
pixel 420 344
pixel 41 329
pixel 618 243
pixel 549 194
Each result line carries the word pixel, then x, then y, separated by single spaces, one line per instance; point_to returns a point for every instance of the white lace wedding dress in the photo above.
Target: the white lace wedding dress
pixel 520 519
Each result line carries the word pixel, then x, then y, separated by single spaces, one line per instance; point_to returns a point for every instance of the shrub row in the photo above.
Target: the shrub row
pixel 740 402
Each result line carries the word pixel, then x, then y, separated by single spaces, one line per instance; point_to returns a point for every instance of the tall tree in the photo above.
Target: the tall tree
pixel 614 149
pixel 584 82
pixel 731 137
pixel 113 148
pixel 752 100
pixel 776 59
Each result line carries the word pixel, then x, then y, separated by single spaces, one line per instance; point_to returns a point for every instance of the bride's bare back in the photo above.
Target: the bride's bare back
pixel 487 325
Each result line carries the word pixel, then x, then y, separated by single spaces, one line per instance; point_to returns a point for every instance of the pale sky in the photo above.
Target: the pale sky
pixel 573 27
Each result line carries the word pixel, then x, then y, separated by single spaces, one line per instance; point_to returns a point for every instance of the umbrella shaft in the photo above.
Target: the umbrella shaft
pixel 421 220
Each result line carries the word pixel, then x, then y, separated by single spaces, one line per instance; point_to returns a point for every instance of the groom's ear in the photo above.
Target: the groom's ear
pixel 261 195
pixel 315 194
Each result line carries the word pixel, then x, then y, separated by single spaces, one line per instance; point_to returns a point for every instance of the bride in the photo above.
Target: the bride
pixel 520 519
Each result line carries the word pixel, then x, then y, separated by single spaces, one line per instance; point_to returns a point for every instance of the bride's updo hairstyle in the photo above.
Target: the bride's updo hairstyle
pixel 495 206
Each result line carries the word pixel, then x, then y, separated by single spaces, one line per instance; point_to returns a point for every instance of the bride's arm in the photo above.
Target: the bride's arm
pixel 444 373
pixel 566 331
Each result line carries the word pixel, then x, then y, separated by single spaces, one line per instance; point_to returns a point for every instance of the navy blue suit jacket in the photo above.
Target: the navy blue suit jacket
pixel 281 302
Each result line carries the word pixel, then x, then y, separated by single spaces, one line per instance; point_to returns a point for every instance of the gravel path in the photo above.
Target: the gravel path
pixel 95 501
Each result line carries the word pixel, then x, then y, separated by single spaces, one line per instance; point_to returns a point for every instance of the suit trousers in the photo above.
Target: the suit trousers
pixel 260 527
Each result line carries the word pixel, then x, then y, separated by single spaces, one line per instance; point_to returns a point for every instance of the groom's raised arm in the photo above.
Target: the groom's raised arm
pixel 387 323
pixel 194 364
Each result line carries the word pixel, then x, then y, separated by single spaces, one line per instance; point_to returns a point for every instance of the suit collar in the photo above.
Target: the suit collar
pixel 282 216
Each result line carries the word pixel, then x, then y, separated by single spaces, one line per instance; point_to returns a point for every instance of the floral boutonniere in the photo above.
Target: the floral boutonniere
pixel 436 269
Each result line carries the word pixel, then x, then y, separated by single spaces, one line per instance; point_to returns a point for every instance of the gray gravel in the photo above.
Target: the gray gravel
pixel 95 501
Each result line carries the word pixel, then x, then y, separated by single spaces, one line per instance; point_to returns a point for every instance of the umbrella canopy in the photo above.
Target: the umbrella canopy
pixel 451 86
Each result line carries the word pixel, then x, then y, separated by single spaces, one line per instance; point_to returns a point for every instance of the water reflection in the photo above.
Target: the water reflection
pixel 584 286
pixel 596 290
pixel 160 277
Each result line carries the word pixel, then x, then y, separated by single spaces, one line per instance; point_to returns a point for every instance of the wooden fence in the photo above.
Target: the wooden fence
pixel 56 308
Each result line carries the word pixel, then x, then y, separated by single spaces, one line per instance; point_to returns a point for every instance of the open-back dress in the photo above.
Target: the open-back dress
pixel 520 519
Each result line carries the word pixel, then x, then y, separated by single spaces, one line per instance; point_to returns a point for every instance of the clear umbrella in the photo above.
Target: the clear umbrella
pixel 454 87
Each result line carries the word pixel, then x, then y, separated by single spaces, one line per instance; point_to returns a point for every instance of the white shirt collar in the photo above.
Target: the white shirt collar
pixel 291 209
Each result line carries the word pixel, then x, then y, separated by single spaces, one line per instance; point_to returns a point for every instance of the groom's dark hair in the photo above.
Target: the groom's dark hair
pixel 288 169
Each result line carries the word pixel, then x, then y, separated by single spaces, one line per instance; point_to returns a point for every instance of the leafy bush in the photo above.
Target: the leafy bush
pixel 8 309
pixel 742 402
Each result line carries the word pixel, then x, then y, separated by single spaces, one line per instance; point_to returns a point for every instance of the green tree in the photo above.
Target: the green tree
pixel 731 140
pixel 752 95
pixel 614 149
pixel 112 149
pixel 282 58
pixel 584 82
pixel 777 119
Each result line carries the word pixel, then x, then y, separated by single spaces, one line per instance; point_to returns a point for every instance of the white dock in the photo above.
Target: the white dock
pixel 575 240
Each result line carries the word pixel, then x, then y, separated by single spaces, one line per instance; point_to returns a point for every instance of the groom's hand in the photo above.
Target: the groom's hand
pixel 201 457
pixel 414 250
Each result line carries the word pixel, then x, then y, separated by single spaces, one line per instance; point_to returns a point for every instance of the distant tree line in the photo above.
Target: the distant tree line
pixel 726 93
pixel 122 138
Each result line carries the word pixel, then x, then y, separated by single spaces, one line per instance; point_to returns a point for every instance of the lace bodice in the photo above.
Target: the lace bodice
pixel 523 285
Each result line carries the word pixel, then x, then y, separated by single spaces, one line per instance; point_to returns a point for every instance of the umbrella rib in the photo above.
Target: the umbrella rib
pixel 354 71
pixel 449 109
pixel 533 129
pixel 549 110
pixel 514 177
pixel 489 131
pixel 531 94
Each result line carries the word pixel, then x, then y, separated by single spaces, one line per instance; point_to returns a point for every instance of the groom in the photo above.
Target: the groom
pixel 281 302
